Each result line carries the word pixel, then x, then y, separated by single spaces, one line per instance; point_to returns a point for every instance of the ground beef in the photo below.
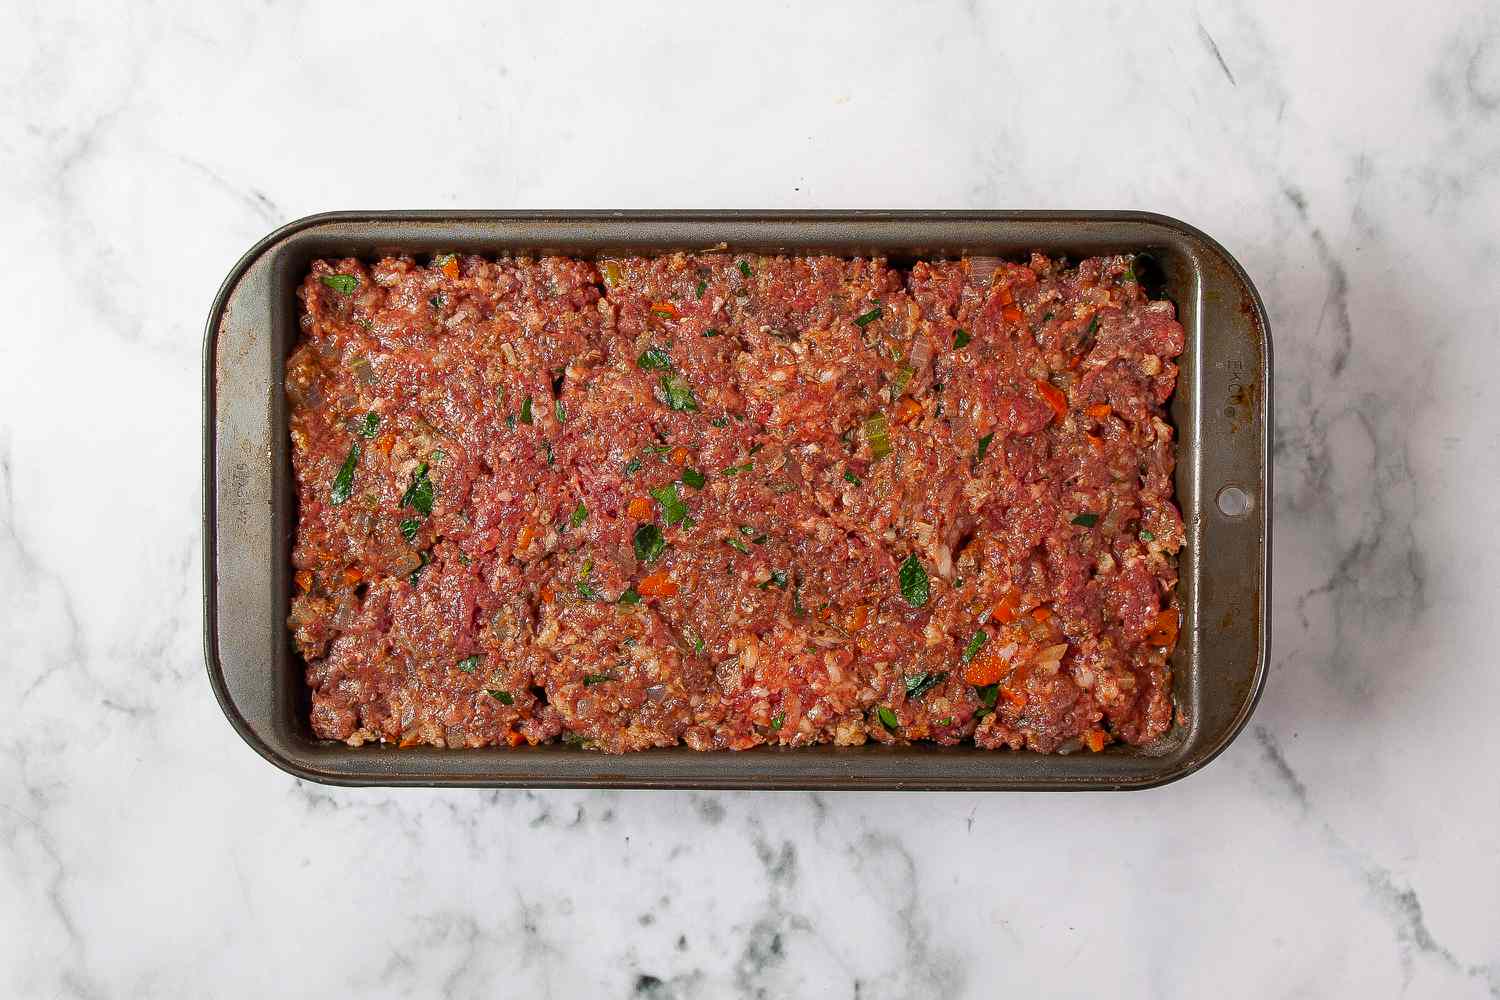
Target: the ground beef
pixel 725 500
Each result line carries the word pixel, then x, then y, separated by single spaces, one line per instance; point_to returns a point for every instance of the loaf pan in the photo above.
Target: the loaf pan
pixel 1221 410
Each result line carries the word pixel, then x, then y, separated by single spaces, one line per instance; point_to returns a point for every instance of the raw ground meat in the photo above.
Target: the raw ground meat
pixel 727 500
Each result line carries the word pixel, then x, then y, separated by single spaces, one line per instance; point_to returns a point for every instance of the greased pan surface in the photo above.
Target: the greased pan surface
pixel 1221 411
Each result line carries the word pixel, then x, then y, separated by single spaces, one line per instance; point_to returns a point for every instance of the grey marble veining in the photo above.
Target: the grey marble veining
pixel 1347 845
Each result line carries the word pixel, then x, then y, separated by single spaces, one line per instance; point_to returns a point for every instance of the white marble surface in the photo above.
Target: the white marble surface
pixel 1348 153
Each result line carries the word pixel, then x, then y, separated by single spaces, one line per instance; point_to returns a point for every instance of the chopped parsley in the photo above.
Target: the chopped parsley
pixel 547 446
pixel 343 482
pixel 589 680
pixel 961 338
pixel 735 470
pixel 654 359
pixel 579 515
pixel 694 478
pixel 710 332
pixel 919 684
pixel 671 504
pixel 344 284
pixel 632 467
pixel 368 426
pixel 409 529
pixel 526 410
pixel 648 542
pixel 778 578
pixel 737 544
pixel 850 477
pixel 1086 520
pixel 744 268
pixel 702 287
pixel 503 697
pixel 679 394
pixel 631 596
pixel 777 720
pixel 984 445
pixel 1146 536
pixel 988 694
pixel 976 643
pixel 878 435
pixel 560 411
pixel 866 319
pixel 469 664
pixel 887 717
pixel 914 584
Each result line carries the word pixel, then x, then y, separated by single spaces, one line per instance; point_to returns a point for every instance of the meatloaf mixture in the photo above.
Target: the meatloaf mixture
pixel 726 500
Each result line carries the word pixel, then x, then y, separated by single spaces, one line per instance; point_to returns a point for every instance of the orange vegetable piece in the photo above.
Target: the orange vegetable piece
pixel 1011 314
pixel 1095 739
pixel 658 584
pixel 640 508
pixel 1040 615
pixel 514 738
pixel 987 668
pixel 1004 610
pixel 1014 696
pixel 524 536
pixel 907 410
pixel 547 594
pixel 1074 362
pixel 352 576
pixel 1095 442
pixel 304 580
pixel 680 456
pixel 409 740
pixel 666 308
pixel 1054 397
pixel 858 619
pixel 1164 632
pixel 1100 411
pixel 450 267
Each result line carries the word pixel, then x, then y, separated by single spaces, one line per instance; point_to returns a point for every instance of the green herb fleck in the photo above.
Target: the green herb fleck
pixel 988 695
pixel 343 483
pixel 919 684
pixel 1048 317
pixel 437 455
pixel 503 697
pixel 342 283
pixel 914 584
pixel 671 504
pixel 589 680
pixel 1147 536
pixel 778 578
pixel 1093 326
pixel 878 435
pixel 866 319
pixel 526 410
pixel 984 445
pixel 737 545
pixel 510 421
pixel 976 643
pixel 409 529
pixel 744 268
pixel 711 332
pixel 1129 274
pixel 887 717
pixel 579 515
pixel 632 467
pixel 648 542
pixel 777 720
pixel 547 447
pixel 961 338
pixel 702 287
pixel 946 720
pixel 368 426
pixel 1086 520
pixel 679 394
pixel 578 740
pixel 654 359
pixel 560 411
pixel 735 470
pixel 586 590
pixel 469 664
pixel 631 597
pixel 720 421
pixel 694 478
pixel 850 477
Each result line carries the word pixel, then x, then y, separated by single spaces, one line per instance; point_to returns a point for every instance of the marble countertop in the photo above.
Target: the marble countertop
pixel 1348 844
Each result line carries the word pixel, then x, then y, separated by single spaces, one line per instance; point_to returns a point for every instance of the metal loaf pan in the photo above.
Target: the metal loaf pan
pixel 1221 410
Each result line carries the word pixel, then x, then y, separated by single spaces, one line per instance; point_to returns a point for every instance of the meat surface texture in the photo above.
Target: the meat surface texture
pixel 725 500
